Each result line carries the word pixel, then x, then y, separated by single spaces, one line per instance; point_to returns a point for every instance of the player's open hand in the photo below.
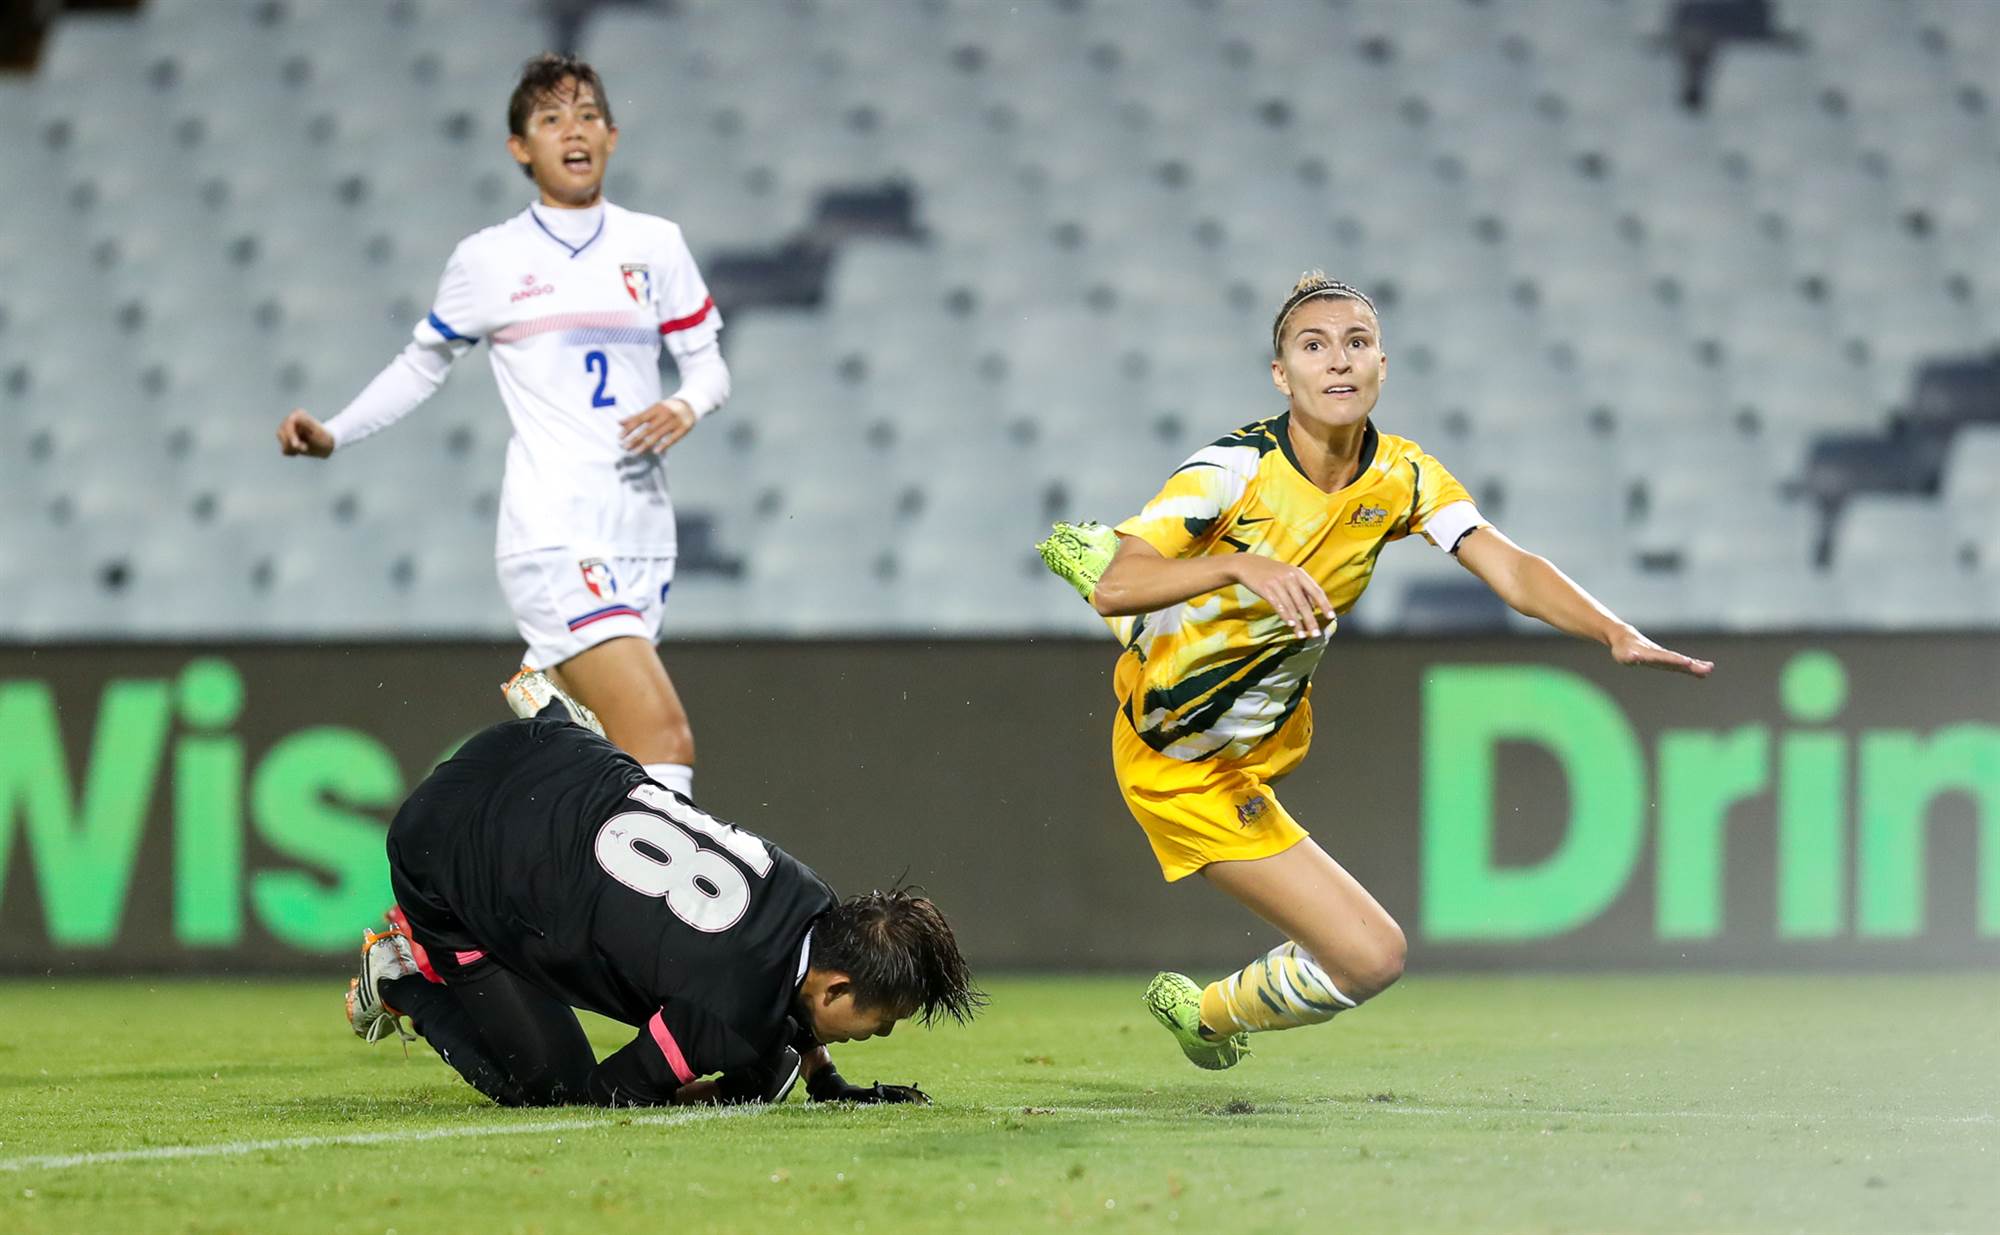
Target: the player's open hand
pixel 658 427
pixel 1296 595
pixel 1632 648
pixel 300 434
pixel 878 1092
pixel 827 1085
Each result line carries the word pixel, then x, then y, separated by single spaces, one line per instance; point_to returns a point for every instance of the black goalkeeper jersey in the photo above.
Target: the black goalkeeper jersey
pixel 545 849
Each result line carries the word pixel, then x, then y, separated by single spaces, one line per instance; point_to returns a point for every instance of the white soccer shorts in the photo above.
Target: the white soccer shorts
pixel 567 600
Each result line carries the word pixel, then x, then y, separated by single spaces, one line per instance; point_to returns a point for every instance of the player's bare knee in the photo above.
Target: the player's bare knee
pixel 1381 963
pixel 1386 969
pixel 1363 968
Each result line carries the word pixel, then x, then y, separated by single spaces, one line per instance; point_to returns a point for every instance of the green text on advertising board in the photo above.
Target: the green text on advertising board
pixel 1850 809
pixel 1891 776
pixel 316 798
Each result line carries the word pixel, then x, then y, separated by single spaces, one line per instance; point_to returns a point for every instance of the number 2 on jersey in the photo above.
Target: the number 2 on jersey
pixel 600 364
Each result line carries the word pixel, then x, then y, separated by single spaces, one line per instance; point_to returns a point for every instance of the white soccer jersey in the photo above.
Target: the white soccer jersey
pixel 575 330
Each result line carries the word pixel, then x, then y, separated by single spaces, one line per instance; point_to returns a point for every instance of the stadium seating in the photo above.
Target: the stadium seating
pixel 1729 366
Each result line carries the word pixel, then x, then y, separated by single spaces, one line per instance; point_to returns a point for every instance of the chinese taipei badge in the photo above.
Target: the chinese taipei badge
pixel 598 578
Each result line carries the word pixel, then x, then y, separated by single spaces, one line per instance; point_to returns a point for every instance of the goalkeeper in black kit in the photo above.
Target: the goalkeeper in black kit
pixel 539 870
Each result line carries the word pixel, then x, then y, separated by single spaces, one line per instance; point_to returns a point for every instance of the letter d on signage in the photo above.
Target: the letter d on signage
pixel 1468 711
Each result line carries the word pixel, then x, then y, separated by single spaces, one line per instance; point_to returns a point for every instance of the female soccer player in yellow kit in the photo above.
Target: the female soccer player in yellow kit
pixel 1224 590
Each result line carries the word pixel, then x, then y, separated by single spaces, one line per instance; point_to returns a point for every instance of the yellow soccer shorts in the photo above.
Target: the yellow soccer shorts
pixel 1210 810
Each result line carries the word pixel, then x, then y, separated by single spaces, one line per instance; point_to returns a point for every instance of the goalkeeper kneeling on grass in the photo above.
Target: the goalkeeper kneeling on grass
pixel 539 870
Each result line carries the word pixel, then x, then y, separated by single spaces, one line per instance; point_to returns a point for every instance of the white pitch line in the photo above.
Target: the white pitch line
pixel 231 1149
pixel 404 1136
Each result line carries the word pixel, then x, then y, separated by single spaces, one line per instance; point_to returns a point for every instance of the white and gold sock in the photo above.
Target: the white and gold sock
pixel 1283 989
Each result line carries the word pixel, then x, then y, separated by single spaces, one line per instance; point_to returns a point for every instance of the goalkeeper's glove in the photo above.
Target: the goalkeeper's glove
pixel 827 1085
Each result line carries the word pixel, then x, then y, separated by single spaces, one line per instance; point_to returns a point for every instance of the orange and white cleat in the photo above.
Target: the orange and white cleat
pixel 531 690
pixel 384 955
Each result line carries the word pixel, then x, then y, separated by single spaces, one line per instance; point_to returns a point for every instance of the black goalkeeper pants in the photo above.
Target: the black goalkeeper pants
pixel 513 1042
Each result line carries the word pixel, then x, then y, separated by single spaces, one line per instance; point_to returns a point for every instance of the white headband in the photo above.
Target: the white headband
pixel 1341 290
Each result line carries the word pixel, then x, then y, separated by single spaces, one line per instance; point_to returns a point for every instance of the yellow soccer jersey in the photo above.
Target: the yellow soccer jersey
pixel 1221 672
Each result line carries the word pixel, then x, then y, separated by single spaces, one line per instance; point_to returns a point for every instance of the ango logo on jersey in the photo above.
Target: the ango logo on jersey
pixel 530 289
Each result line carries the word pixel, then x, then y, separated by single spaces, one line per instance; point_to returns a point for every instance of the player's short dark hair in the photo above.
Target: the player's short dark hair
pixel 1312 284
pixel 897 950
pixel 543 76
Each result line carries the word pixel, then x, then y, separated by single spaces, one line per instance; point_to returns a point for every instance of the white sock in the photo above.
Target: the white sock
pixel 678 777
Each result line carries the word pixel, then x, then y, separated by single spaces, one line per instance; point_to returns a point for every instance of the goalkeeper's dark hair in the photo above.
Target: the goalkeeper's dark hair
pixel 542 78
pixel 897 950
pixel 1311 285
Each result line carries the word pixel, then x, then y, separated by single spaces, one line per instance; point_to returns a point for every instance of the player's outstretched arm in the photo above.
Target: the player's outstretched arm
pixel 1140 579
pixel 413 376
pixel 301 434
pixel 1531 585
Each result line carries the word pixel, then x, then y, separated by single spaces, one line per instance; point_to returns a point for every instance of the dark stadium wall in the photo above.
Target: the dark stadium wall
pixel 1820 802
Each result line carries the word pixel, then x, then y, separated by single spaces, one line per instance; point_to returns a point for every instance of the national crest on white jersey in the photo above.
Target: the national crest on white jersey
pixel 598 578
pixel 638 281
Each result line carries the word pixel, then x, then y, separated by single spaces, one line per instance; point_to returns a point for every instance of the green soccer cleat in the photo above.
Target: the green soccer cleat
pixel 1079 552
pixel 1175 1001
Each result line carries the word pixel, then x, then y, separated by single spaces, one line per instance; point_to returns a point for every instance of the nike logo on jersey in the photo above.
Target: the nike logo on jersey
pixel 1241 524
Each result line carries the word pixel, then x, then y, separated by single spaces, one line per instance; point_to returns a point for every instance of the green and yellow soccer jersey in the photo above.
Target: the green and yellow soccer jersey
pixel 1219 673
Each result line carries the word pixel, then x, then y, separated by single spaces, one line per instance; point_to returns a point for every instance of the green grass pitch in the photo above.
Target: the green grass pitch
pixel 1528 1103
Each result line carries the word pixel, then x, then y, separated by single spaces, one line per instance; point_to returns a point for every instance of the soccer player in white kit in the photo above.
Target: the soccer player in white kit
pixel 574 297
